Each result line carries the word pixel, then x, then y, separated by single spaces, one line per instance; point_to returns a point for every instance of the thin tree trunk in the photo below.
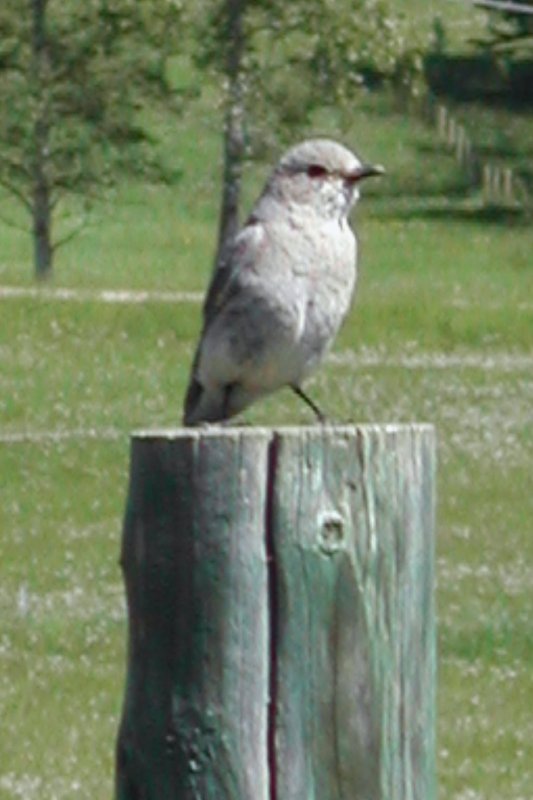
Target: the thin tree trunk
pixel 234 145
pixel 42 226
pixel 41 201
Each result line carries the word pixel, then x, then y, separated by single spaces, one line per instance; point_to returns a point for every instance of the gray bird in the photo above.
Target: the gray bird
pixel 283 285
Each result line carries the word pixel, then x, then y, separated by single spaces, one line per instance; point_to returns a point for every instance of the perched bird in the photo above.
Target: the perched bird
pixel 282 286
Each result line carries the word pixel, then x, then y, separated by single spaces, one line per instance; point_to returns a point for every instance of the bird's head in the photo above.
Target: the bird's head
pixel 322 175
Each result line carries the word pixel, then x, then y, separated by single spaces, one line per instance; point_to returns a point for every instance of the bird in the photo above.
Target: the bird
pixel 282 286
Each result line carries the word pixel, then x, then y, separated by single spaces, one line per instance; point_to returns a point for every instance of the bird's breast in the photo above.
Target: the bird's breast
pixel 287 310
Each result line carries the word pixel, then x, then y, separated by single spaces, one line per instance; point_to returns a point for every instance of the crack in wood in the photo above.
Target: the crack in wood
pixel 273 607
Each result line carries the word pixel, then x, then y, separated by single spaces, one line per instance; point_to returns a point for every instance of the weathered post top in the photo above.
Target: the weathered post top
pixel 281 618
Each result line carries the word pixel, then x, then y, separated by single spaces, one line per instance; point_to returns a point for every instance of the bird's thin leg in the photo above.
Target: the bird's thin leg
pixel 300 392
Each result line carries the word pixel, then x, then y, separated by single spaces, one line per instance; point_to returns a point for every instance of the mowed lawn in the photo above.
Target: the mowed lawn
pixel 441 332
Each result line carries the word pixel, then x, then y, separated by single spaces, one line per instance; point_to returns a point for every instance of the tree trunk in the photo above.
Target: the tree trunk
pixel 41 203
pixel 233 127
pixel 42 226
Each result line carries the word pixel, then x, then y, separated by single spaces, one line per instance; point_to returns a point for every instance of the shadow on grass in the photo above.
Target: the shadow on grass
pixel 494 215
pixel 489 215
pixel 411 191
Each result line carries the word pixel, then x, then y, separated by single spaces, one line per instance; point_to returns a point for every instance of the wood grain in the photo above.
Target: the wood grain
pixel 194 719
pixel 281 617
pixel 353 532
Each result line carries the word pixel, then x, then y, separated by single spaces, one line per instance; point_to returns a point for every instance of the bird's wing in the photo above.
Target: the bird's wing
pixel 241 256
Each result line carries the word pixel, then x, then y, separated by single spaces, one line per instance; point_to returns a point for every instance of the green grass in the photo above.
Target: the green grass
pixel 62 608
pixel 72 366
pixel 442 331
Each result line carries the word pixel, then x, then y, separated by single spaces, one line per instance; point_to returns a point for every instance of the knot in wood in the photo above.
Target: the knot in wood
pixel 331 531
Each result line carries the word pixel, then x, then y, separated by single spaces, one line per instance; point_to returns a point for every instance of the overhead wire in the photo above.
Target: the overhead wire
pixel 502 5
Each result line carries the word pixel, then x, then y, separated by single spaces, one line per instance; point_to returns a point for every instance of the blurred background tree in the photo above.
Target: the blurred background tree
pixel 73 80
pixel 276 63
pixel 511 32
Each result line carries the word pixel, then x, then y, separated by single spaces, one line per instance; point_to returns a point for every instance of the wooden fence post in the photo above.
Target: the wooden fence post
pixel 281 620
pixel 452 131
pixel 508 182
pixel 442 122
pixel 487 184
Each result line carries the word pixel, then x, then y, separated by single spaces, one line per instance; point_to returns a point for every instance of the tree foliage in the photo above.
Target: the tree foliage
pixel 304 54
pixel 511 32
pixel 74 78
pixel 277 62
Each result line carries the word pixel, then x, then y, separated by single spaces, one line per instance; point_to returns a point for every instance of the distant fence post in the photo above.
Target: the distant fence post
pixel 442 122
pixel 281 617
pixel 508 190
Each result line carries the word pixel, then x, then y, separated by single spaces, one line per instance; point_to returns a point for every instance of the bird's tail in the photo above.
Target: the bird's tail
pixel 195 400
pixel 202 405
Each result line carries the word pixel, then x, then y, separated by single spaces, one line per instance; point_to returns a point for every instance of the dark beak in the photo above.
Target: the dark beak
pixel 365 171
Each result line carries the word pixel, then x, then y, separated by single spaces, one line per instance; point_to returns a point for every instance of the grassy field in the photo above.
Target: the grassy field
pixel 442 331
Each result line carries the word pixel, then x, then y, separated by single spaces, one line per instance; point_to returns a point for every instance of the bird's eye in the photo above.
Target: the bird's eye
pixel 316 171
